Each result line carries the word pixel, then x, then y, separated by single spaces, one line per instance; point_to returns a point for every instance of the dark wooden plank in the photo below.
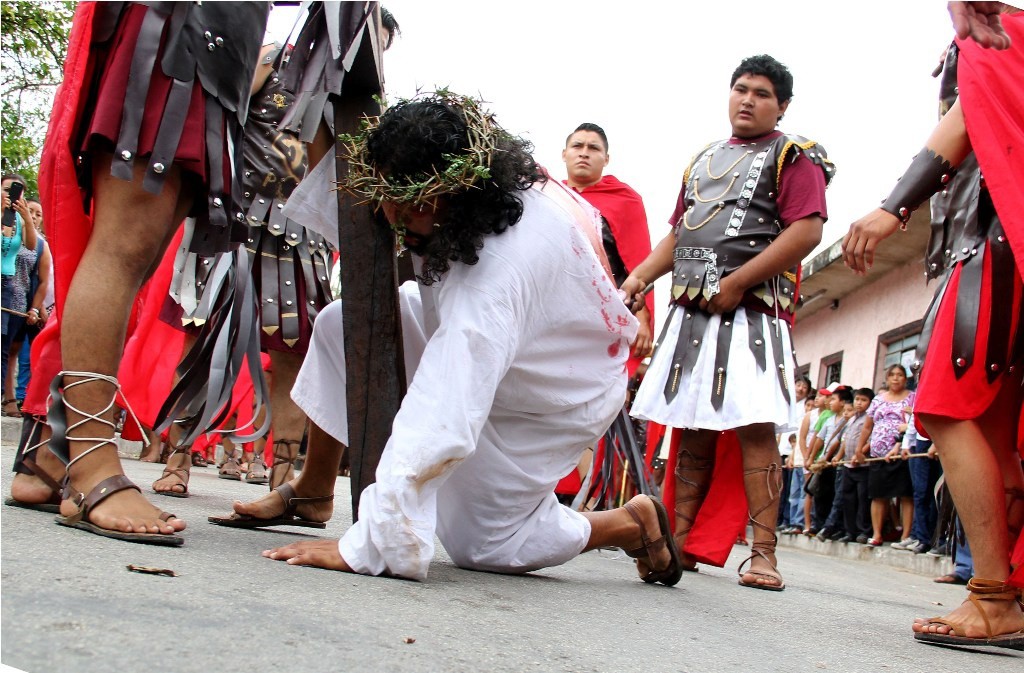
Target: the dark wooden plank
pixel 373 344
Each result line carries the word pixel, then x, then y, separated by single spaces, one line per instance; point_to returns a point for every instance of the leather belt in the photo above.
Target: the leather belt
pixel 166 145
pixel 134 106
pixel 968 305
pixel 286 262
pixel 755 335
pixel 722 358
pixel 780 363
pixel 691 334
pixel 270 317
pixel 929 323
pixel 1002 273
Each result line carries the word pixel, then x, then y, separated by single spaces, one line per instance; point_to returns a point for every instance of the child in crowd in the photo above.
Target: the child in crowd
pixel 830 431
pixel 834 527
pixel 856 504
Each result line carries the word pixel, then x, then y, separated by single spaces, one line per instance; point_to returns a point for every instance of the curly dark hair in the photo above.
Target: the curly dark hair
pixel 767 66
pixel 414 138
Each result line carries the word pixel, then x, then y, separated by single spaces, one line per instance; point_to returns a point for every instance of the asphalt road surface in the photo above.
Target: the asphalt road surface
pixel 70 605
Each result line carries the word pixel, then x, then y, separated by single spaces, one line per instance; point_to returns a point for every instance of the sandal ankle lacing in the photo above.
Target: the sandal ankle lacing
pixel 58 398
pixel 694 465
pixel 763 548
pixel 287 459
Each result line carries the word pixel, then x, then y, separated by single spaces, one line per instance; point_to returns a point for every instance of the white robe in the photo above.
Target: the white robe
pixel 517 364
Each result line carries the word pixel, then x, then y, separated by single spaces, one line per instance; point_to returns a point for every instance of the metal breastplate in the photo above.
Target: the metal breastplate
pixel 731 216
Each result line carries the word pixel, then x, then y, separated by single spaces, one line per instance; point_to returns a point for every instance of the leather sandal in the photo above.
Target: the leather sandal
pixel 286 518
pixel 181 473
pixel 11 413
pixel 59 445
pixel 764 548
pixel 694 464
pixel 98 494
pixel 28 465
pixel 229 469
pixel 980 590
pixel 673 572
pixel 257 471
pixel 284 460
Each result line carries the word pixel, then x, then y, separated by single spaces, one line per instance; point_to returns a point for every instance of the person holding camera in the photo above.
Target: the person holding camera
pixel 18 233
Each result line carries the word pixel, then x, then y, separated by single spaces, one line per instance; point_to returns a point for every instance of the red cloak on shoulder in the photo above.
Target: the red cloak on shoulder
pixel 67 226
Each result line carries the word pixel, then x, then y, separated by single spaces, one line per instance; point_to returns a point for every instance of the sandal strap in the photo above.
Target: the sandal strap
pixel 773 497
pixel 759 549
pixel 647 546
pixel 99 493
pixel 988 590
pixel 991 590
pixel 33 467
pixel 691 464
pixel 288 459
pixel 292 502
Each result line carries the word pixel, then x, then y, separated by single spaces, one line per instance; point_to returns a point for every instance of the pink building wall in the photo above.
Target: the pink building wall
pixel 891 301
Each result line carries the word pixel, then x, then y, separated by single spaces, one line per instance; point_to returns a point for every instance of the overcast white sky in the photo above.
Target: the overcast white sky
pixel 656 77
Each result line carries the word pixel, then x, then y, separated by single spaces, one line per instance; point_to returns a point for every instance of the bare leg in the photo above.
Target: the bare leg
pixel 978 459
pixel 130 231
pixel 174 480
pixel 316 479
pixel 907 516
pixel 288 420
pixel 12 366
pixel 879 510
pixel 256 470
pixel 151 454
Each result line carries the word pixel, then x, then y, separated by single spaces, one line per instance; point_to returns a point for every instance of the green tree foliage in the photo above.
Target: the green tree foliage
pixel 34 42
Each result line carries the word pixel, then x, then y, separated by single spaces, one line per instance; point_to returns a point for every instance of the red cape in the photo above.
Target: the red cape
pixel 723 516
pixel 992 98
pixel 624 209
pixel 67 226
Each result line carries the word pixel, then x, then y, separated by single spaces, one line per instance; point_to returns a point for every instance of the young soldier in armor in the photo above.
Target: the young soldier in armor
pixel 751 207
pixel 969 399
pixel 152 106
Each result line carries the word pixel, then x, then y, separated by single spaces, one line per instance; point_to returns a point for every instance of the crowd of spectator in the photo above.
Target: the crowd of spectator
pixel 27 287
pixel 858 471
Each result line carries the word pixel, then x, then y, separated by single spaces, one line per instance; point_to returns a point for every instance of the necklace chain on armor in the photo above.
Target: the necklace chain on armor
pixel 686 217
pixel 707 169
pixel 696 191
pixel 707 165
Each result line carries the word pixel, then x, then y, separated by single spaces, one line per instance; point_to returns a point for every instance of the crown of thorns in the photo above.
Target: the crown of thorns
pixel 461 172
